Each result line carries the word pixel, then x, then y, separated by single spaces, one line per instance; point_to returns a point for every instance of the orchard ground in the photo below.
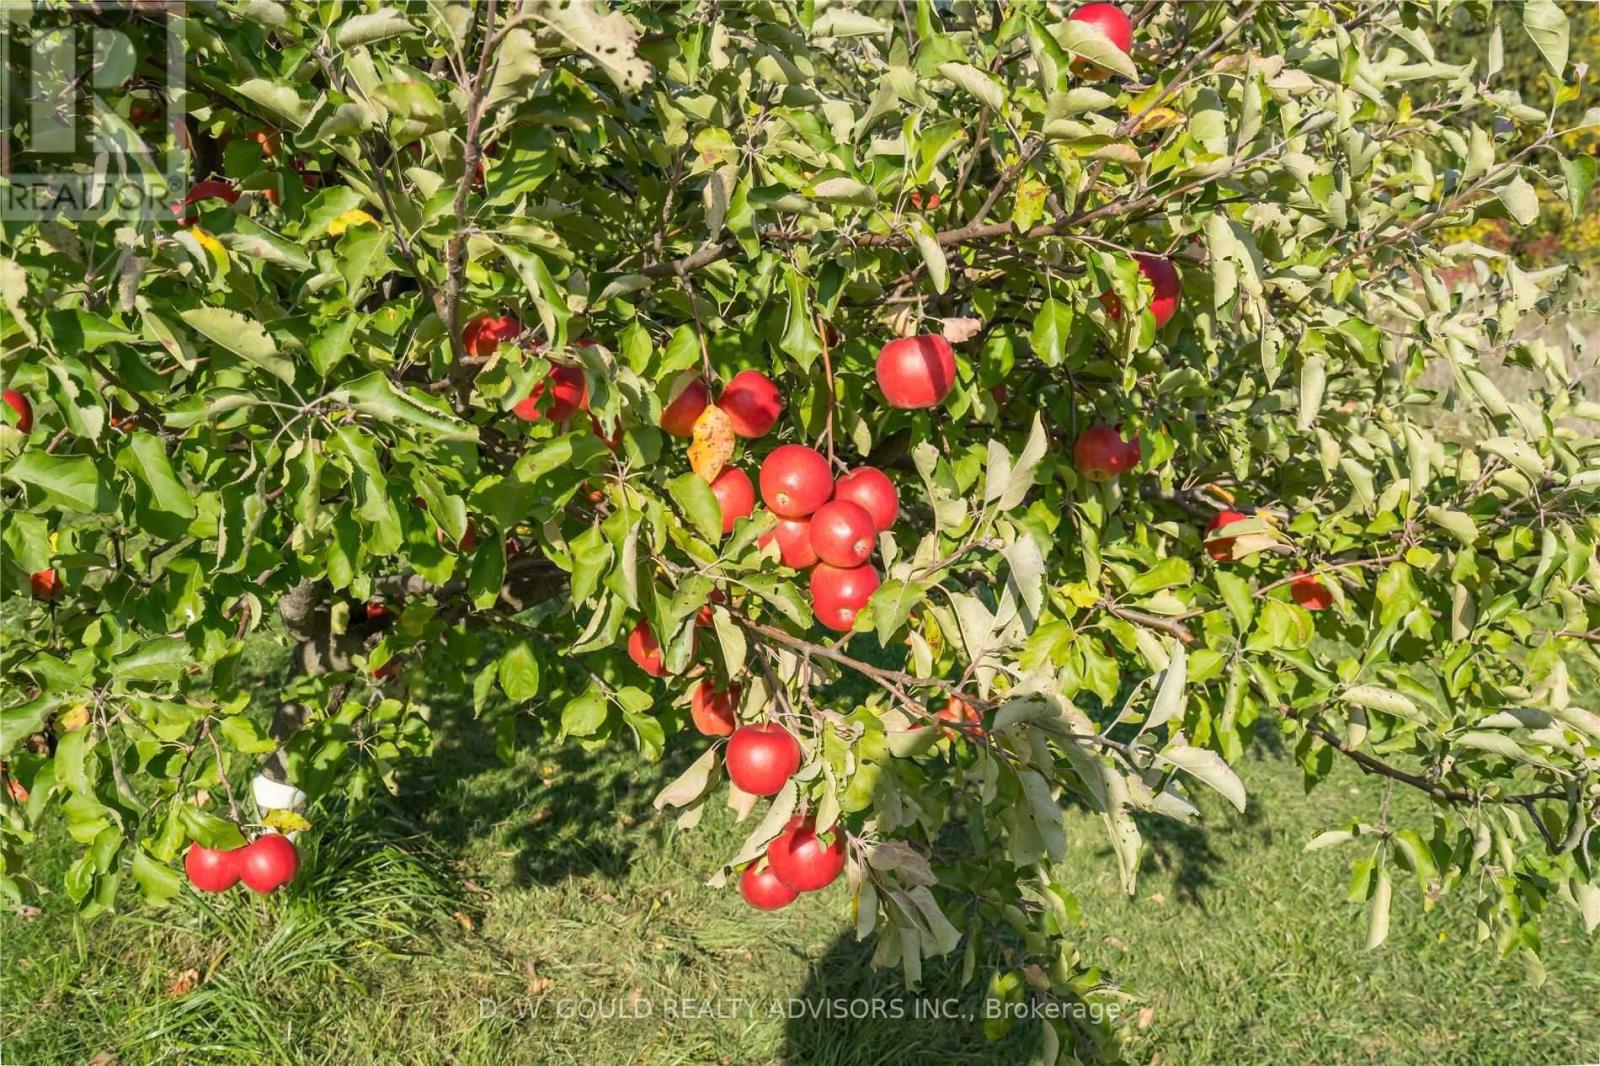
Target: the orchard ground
pixel 541 912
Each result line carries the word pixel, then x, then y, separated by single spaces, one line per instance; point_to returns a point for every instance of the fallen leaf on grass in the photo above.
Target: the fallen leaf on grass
pixel 184 983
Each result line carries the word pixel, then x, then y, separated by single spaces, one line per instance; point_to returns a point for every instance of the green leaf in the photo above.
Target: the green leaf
pixel 362 253
pixel 159 881
pixel 372 27
pixel 519 672
pixel 80 331
pixel 891 605
pixel 584 714
pixel 1236 594
pixel 242 336
pixel 378 396
pixel 145 457
pixel 1051 328
pixel 843 191
pixel 69 480
pixel 1579 173
pixel 695 498
pixel 932 254
pixel 1546 24
pixel 1087 41
pixel 983 88
pixel 1522 203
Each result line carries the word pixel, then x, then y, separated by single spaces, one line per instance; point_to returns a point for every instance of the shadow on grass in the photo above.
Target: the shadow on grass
pixel 851 1014
pixel 563 811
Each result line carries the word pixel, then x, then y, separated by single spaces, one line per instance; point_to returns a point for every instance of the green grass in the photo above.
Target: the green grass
pixel 457 924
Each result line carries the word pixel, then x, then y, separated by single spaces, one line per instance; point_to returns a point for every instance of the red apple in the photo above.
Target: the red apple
pixel 46 584
pixel 1221 548
pixel 267 863
pixel 19 403
pixel 916 372
pixel 735 495
pixel 483 335
pixel 713 711
pixel 645 651
pixel 1309 592
pixel 794 542
pixel 1163 279
pixel 839 593
pixel 211 189
pixel 1113 25
pixel 762 889
pixel 752 403
pixel 1101 453
pixel 841 533
pixel 569 392
pixel 210 869
pixel 802 860
pixel 760 758
pixel 689 397
pixel 795 480
pixel 872 489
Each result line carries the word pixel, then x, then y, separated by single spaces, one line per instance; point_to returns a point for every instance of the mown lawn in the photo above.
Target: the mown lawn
pixel 474 920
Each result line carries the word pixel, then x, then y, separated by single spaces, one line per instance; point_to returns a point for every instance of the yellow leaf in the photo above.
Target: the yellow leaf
pixel 353 217
pixel 75 719
pixel 285 821
pixel 210 244
pixel 1157 118
pixel 712 444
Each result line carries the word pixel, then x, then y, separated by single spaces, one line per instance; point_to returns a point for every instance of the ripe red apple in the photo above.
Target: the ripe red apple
pixel 958 710
pixel 1221 548
pixel 645 651
pixel 211 869
pixel 1113 24
pixel 795 480
pixel 569 392
pixel 760 758
pixel 839 593
pixel 1309 592
pixel 19 403
pixel 735 495
pixel 1101 453
pixel 841 533
pixel 874 492
pixel 46 584
pixel 375 609
pixel 211 189
pixel 483 335
pixel 802 860
pixel 689 397
pixel 751 402
pixel 794 542
pixel 762 889
pixel 268 862
pixel 916 372
pixel 713 711
pixel 704 617
pixel 1163 279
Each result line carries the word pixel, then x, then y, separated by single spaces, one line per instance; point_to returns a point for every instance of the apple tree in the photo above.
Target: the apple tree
pixel 975 409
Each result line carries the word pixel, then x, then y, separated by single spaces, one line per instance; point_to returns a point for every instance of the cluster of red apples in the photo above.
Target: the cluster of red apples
pixel 265 864
pixel 760 760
